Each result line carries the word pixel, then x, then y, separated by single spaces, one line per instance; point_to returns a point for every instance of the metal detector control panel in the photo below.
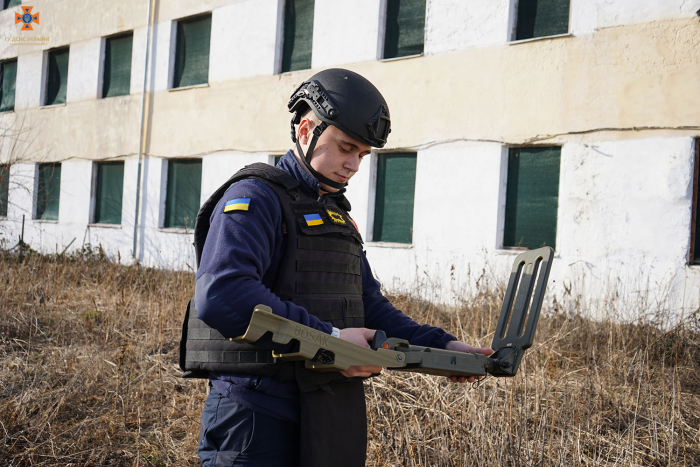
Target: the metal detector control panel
pixel 514 334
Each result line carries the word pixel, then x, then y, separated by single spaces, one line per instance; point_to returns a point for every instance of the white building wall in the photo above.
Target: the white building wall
pixel 84 65
pixel 28 84
pixel 459 24
pixel 345 32
pixel 586 16
pixel 243 40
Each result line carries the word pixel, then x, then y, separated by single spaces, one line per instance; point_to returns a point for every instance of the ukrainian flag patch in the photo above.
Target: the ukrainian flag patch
pixel 238 204
pixel 313 219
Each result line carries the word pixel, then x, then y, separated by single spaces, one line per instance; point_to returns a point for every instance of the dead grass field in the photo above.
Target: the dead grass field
pixel 88 376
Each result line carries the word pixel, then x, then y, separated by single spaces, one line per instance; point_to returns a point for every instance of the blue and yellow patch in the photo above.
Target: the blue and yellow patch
pixel 238 204
pixel 313 219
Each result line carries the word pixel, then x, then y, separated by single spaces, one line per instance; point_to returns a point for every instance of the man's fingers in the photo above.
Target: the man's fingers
pixel 361 371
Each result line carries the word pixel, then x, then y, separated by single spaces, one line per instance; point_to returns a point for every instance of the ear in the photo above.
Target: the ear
pixel 305 131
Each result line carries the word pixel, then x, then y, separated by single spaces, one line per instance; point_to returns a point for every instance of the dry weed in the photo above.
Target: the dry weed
pixel 88 376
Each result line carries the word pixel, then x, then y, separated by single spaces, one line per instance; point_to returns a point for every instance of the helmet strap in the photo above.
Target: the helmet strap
pixel 306 158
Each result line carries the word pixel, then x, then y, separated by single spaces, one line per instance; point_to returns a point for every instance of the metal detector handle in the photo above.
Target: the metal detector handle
pixel 520 312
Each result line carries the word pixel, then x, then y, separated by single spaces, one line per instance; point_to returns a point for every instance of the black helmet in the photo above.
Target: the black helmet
pixel 345 100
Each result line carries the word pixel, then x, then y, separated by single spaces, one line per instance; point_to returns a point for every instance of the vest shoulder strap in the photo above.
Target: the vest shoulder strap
pixel 259 170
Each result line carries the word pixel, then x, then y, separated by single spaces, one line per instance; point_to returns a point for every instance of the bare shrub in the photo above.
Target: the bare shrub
pixel 88 376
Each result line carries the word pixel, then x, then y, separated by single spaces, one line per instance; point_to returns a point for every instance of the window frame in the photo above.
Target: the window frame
pixel 94 194
pixel 381 46
pixel 14 96
pixel 5 170
pixel 513 26
pixel 165 180
pixel 37 193
pixel 103 62
pixel 173 50
pixel 503 202
pixel 282 29
pixel 695 213
pixel 373 198
pixel 46 76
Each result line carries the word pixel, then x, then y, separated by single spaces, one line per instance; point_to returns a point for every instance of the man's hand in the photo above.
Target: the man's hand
pixel 361 337
pixel 462 347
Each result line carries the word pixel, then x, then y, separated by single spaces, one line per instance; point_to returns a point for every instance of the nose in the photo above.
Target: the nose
pixel 352 163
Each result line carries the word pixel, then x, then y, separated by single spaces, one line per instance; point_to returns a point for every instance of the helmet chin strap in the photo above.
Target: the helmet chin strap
pixel 306 158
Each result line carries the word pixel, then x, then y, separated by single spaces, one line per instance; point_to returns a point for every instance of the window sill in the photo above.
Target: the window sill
pixel 114 97
pixel 7 111
pixel 401 246
pixel 185 88
pixel 52 106
pixel 106 226
pixel 45 221
pixel 405 57
pixel 542 38
pixel 176 230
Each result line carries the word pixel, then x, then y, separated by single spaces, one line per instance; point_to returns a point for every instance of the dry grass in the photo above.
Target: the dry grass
pixel 88 376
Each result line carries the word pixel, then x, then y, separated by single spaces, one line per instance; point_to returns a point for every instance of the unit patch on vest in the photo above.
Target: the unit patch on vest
pixel 313 219
pixel 238 204
pixel 335 217
pixel 353 224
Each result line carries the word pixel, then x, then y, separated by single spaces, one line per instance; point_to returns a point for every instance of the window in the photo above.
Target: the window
pixel 117 66
pixel 192 52
pixel 276 160
pixel 298 35
pixel 56 77
pixel 4 189
pixel 10 3
pixel 183 193
pixel 109 185
pixel 539 18
pixel 695 225
pixel 48 191
pixel 532 197
pixel 393 209
pixel 8 78
pixel 405 28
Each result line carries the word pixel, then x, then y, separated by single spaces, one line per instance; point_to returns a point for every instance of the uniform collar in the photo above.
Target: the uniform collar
pixel 308 182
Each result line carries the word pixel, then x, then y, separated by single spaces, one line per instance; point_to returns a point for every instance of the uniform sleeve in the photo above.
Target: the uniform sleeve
pixel 381 314
pixel 239 250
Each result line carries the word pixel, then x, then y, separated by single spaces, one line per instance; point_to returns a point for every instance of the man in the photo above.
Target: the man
pixel 283 237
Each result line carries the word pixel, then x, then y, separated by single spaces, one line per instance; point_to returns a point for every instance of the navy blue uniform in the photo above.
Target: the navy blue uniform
pixel 241 256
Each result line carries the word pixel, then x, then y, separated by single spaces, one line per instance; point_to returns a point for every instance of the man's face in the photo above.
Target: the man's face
pixel 337 156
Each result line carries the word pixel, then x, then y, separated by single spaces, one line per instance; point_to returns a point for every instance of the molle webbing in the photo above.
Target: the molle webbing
pixel 328 244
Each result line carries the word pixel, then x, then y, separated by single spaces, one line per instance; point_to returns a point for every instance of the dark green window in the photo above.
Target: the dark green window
pixel 109 186
pixel 192 52
pixel 57 77
pixel 396 186
pixel 183 192
pixel 276 160
pixel 8 79
pixel 532 197
pixel 48 192
pixel 117 69
pixel 11 3
pixel 695 226
pixel 540 18
pixel 405 28
pixel 4 188
pixel 298 34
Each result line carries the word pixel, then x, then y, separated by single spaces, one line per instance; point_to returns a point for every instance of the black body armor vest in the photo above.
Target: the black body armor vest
pixel 320 271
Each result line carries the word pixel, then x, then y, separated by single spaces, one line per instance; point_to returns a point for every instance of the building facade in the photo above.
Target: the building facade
pixel 515 124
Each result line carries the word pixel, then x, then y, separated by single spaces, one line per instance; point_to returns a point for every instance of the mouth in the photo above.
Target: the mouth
pixel 341 178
